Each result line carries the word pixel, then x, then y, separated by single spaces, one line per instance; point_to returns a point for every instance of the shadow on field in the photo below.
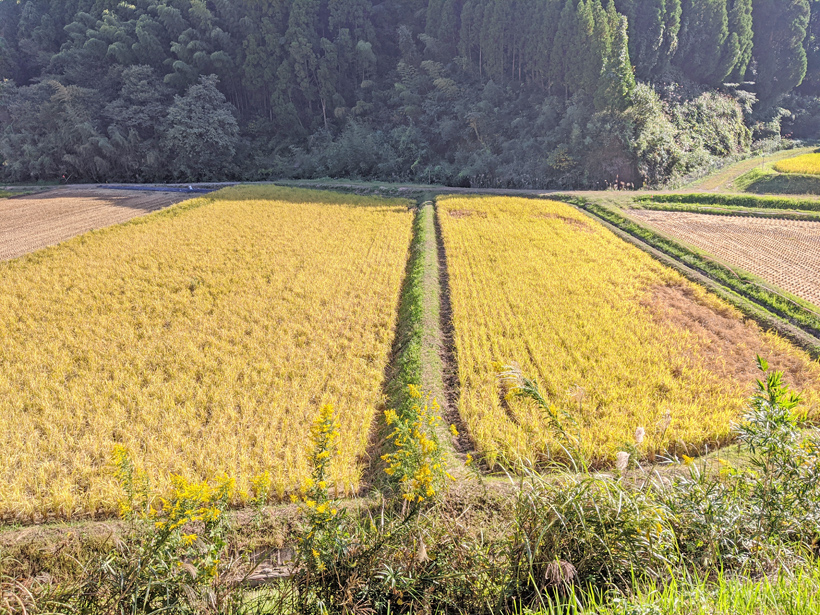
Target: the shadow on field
pixel 300 196
pixel 782 183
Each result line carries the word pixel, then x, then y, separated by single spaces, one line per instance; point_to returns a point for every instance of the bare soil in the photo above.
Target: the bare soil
pixel 35 221
pixel 785 253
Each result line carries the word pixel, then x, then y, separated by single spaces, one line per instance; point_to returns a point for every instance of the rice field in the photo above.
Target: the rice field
pixel 204 339
pixel 782 252
pixel 615 339
pixel 807 164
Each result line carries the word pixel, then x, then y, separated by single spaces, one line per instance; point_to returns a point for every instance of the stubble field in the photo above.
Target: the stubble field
pixel 35 221
pixel 785 253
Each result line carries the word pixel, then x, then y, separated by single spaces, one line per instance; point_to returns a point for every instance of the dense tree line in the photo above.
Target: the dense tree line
pixel 474 92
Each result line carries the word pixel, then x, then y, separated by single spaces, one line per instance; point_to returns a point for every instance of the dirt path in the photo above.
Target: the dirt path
pixel 784 252
pixel 721 181
pixel 35 221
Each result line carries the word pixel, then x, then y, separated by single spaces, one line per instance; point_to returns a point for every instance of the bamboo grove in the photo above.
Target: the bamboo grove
pixel 456 91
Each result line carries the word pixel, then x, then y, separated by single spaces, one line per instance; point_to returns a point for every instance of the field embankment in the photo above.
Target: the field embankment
pixel 723 179
pixel 203 339
pixel 795 174
pixel 617 340
pixel 731 202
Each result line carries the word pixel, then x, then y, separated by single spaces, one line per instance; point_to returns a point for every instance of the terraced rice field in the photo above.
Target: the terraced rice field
pixel 615 339
pixel 785 253
pixel 36 221
pixel 204 339
pixel 808 164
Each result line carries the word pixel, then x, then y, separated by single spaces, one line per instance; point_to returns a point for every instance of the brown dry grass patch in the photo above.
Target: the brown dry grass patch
pixel 726 341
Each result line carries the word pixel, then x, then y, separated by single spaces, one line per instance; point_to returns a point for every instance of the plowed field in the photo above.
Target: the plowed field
pixel 783 252
pixel 39 220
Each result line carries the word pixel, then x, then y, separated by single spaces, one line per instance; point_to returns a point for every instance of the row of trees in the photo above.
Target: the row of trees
pixel 451 89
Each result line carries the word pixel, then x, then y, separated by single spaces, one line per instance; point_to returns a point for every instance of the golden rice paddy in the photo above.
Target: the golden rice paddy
pixel 807 164
pixel 204 339
pixel 615 339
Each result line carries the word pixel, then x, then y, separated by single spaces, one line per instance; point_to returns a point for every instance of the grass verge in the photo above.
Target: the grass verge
pixel 735 212
pixel 768 181
pixel 417 359
pixel 730 200
pixel 795 593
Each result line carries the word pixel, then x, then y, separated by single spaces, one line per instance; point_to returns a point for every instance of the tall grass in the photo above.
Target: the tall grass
pixel 632 541
pixel 790 593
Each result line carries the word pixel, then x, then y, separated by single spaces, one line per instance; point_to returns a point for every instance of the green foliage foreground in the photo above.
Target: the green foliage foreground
pixel 674 539
pixel 733 200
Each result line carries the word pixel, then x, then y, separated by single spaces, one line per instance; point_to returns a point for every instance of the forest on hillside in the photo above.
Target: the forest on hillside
pixel 501 93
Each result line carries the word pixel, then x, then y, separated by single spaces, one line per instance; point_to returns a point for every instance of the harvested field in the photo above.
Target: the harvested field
pixel 785 253
pixel 616 340
pixel 28 223
pixel 204 339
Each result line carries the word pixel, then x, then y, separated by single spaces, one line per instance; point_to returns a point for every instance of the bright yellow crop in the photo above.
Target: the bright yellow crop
pixel 808 164
pixel 204 339
pixel 536 283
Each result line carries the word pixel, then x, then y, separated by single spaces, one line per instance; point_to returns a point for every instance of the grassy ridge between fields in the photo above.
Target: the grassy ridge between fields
pixel 769 181
pixel 732 200
pixel 740 283
pixel 416 358
pixel 735 212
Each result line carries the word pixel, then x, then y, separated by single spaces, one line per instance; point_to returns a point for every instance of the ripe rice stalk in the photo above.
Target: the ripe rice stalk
pixel 203 339
pixel 807 164
pixel 536 283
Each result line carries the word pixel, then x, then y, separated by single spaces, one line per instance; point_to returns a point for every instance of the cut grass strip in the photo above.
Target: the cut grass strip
pixel 419 347
pixel 769 181
pixel 728 210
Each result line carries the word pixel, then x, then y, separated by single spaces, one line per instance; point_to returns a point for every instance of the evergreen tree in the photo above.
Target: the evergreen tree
pixel 811 83
pixel 703 37
pixel 202 133
pixel 741 25
pixel 617 80
pixel 653 33
pixel 780 28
